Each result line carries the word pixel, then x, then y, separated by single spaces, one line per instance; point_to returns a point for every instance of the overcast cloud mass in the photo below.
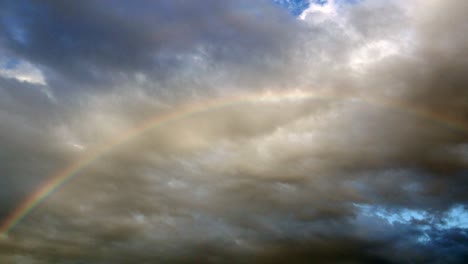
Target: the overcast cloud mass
pixel 370 167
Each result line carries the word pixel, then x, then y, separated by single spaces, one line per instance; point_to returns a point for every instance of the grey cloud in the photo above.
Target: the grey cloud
pixel 259 181
pixel 28 150
pixel 102 42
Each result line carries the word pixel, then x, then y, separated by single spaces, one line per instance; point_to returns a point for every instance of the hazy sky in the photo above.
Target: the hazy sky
pixel 294 131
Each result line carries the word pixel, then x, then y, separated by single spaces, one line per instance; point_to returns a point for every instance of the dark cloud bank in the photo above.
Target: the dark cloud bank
pixel 374 172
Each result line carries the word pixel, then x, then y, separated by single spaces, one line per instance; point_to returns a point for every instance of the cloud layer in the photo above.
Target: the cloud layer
pixel 351 146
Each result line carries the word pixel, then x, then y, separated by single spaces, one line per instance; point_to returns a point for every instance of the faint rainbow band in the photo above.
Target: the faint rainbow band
pixel 64 175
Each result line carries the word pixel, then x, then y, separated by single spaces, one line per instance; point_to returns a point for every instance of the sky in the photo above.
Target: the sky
pixel 237 131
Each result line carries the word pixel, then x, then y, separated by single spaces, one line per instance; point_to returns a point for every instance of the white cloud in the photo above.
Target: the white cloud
pixel 320 12
pixel 372 52
pixel 24 72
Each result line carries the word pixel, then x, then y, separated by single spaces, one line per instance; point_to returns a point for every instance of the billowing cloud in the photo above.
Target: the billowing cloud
pixel 235 132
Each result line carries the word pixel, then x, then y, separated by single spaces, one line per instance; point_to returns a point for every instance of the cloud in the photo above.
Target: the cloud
pixel 372 162
pixel 23 72
pixel 151 39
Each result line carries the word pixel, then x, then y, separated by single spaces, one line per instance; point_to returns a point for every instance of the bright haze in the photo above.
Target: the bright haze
pixel 275 131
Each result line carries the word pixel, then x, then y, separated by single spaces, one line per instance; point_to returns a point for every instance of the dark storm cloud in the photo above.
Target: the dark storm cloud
pixel 90 41
pixel 28 150
pixel 373 171
pixel 428 76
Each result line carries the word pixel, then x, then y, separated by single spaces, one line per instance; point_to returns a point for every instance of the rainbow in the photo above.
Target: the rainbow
pixel 67 173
